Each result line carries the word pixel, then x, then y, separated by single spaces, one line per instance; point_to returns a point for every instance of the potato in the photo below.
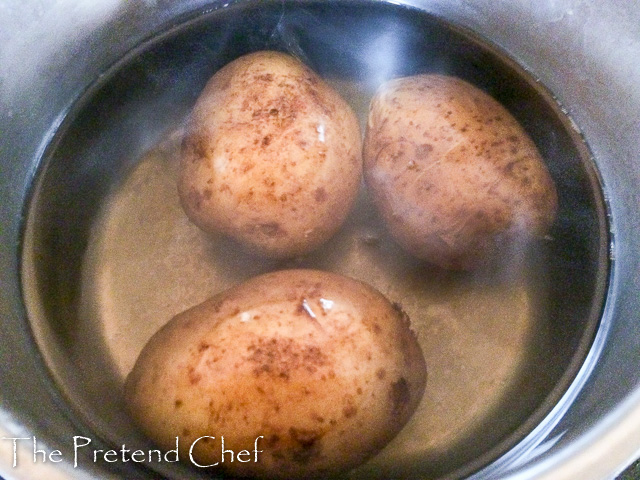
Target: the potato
pixel 321 366
pixel 272 156
pixel 456 179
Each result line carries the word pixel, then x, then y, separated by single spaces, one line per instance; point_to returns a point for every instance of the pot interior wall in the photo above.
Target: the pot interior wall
pixel 109 256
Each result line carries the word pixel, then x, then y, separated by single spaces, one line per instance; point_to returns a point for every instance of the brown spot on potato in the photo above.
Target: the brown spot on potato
pixel 177 403
pixel 195 146
pixel 272 440
pixel 349 411
pixel 271 229
pixel 510 167
pixel 381 373
pixel 398 308
pixel 305 444
pixel 424 149
pixel 193 376
pixel 320 195
pixel 195 198
pixel 400 396
pixel 278 455
pixel 266 140
pixel 280 357
pixel 318 100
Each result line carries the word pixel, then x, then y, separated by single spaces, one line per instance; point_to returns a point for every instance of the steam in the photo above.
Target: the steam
pixel 383 55
pixel 45 32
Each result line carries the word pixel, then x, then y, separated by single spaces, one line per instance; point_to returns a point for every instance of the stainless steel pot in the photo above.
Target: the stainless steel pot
pixel 87 87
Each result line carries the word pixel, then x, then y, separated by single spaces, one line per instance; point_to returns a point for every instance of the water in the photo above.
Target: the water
pixel 110 256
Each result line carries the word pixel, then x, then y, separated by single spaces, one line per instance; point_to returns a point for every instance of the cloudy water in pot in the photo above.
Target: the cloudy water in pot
pixel 501 343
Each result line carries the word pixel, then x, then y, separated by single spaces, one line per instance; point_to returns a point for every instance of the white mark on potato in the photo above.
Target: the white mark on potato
pixel 220 164
pixel 326 305
pixel 245 317
pixel 321 130
pixel 371 239
pixel 307 308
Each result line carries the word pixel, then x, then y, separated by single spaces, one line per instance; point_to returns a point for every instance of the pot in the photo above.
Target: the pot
pixel 93 97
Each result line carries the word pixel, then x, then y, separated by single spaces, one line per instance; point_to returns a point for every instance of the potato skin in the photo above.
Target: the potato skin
pixel 272 156
pixel 456 179
pixel 326 384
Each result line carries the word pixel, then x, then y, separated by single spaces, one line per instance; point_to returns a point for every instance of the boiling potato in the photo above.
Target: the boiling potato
pixel 455 177
pixel 271 156
pixel 321 366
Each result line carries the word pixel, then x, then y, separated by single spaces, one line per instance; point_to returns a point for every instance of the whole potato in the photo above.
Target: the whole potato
pixel 455 177
pixel 271 156
pixel 321 366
